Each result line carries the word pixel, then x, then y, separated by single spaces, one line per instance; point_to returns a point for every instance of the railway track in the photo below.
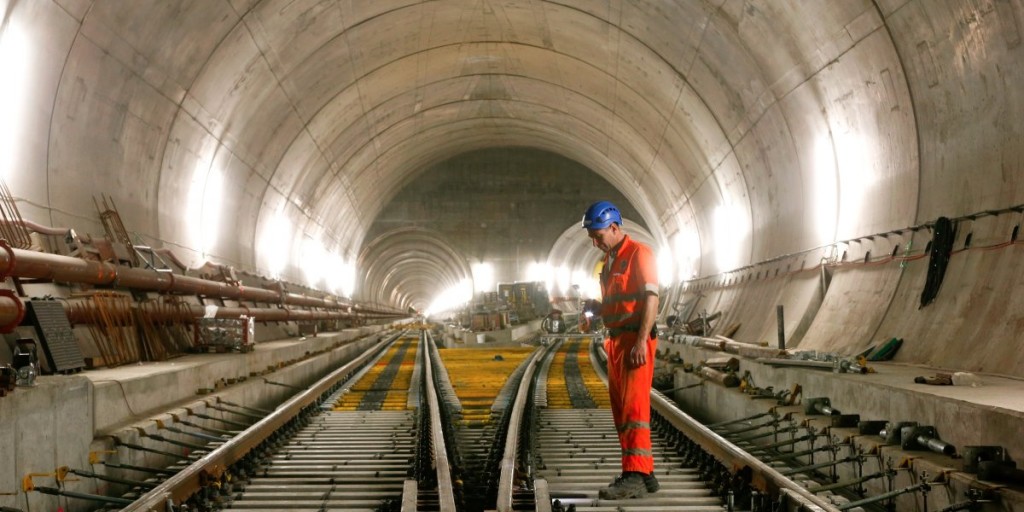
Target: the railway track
pixel 409 427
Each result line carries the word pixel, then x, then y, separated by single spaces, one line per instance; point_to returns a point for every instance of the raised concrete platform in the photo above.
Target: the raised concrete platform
pixel 60 420
pixel 991 414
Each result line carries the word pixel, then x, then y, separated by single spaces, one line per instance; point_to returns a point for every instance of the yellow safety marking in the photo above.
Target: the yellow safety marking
pixel 477 376
pixel 558 392
pixel 398 393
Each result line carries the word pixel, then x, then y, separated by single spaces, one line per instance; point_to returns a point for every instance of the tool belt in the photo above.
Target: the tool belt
pixel 615 332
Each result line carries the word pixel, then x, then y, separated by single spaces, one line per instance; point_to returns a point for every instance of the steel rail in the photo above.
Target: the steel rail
pixel 445 488
pixel 508 460
pixel 764 478
pixel 182 485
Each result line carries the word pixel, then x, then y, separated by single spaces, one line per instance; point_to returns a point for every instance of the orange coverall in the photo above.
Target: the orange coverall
pixel 626 280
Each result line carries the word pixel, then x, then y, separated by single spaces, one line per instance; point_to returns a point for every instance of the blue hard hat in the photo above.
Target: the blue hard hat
pixel 601 215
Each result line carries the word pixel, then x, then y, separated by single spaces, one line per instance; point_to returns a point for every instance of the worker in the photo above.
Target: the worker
pixel 629 306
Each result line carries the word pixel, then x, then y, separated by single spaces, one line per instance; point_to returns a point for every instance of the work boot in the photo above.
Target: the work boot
pixel 627 485
pixel 651 483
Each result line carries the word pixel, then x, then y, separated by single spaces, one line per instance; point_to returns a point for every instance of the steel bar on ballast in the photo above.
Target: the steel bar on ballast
pixel 445 489
pixel 508 461
pixel 183 484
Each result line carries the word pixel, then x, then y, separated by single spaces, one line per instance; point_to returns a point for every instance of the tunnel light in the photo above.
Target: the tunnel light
pixel 563 278
pixel 541 272
pixel 857 178
pixel 687 253
pixel 205 195
pixel 591 288
pixel 731 229
pixel 14 67
pixel 666 266
pixel 824 202
pixel 314 260
pixel 451 298
pixel 275 243
pixel 483 277
pixel 348 279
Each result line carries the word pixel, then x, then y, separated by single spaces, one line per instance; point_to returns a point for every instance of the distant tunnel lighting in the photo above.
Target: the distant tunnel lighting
pixel 451 298
pixel 540 272
pixel 348 279
pixel 483 277
pixel 14 68
pixel 563 276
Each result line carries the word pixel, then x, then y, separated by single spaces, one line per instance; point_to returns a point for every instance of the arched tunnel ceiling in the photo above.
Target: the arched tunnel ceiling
pixel 259 132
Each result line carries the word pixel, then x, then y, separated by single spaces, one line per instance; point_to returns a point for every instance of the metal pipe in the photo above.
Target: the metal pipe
pixel 12 311
pixel 39 265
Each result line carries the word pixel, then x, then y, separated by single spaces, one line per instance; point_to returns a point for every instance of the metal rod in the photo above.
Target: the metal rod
pixel 782 327
pixel 820 465
pixel 155 471
pixel 810 451
pixel 688 386
pixel 82 496
pixel 761 448
pixel 733 433
pixel 240 413
pixel 840 485
pixel 740 420
pixel 884 496
pixel 246 407
pixel 107 478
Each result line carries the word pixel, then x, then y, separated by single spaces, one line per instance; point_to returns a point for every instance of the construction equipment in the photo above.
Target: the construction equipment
pixel 918 437
pixel 225 334
pixel 815 406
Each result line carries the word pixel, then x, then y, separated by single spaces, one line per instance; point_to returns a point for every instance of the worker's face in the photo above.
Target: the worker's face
pixel 604 238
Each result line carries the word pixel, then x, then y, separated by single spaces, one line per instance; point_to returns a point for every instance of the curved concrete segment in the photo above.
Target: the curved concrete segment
pixel 278 135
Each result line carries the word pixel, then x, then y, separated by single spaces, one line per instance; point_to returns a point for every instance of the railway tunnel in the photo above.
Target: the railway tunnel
pixel 819 181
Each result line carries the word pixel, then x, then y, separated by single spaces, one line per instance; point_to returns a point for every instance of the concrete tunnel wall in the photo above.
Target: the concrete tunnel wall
pixel 270 134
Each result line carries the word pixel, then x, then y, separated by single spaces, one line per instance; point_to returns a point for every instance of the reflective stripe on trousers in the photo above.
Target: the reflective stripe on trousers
pixel 630 392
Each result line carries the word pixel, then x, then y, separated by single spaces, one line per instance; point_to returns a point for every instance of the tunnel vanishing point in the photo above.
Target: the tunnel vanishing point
pixel 859 163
